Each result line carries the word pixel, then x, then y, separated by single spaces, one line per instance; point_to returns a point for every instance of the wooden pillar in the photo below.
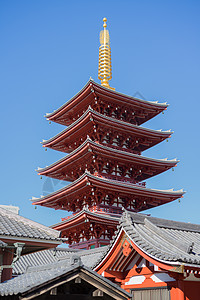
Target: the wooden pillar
pixel 96 243
pixel 180 290
pixel 7 260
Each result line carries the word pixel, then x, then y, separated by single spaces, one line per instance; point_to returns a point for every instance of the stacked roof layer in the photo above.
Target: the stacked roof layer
pixel 105 141
pixel 105 101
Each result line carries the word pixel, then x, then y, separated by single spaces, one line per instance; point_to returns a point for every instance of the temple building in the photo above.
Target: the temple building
pixel 105 165
pixel 147 259
pixel 21 236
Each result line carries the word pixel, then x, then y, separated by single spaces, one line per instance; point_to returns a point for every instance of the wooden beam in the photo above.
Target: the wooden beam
pixel 47 286
pixel 102 285
pixel 78 280
pixel 97 293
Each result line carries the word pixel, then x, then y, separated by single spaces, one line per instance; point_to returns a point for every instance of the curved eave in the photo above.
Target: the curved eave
pixel 162 242
pixel 109 153
pixel 112 253
pixel 112 185
pixel 82 216
pixel 84 92
pixel 92 86
pixel 85 118
pixel 126 187
pixel 175 257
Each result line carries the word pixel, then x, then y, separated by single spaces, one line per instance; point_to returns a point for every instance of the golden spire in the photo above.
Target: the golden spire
pixel 105 68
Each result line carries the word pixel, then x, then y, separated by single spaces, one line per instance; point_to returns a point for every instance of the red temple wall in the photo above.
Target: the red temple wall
pixel 187 290
pixel 192 290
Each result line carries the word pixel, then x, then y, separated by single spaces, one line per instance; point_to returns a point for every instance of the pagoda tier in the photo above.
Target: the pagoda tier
pixel 88 229
pixel 109 195
pixel 108 131
pixel 104 140
pixel 106 162
pixel 108 102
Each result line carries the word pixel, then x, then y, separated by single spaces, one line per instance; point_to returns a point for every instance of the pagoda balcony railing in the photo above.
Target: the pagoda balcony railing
pixel 120 178
pixel 112 211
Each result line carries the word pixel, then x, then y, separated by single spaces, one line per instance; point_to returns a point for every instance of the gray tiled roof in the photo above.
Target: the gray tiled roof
pixel 88 257
pixel 13 225
pixel 164 240
pixel 36 276
pixel 39 258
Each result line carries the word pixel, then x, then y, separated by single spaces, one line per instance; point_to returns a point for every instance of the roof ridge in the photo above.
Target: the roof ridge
pixel 85 253
pixel 52 265
pixel 166 223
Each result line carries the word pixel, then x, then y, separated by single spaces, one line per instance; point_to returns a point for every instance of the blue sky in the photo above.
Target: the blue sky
pixel 49 49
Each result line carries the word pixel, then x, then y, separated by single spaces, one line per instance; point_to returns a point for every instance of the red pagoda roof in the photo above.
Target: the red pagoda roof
pixel 106 101
pixel 84 216
pixel 95 227
pixel 116 134
pixel 92 190
pixel 106 162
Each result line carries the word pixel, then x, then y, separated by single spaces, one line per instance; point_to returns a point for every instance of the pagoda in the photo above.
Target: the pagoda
pixel 104 140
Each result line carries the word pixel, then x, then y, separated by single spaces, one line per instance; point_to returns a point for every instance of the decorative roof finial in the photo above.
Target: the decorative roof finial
pixel 105 68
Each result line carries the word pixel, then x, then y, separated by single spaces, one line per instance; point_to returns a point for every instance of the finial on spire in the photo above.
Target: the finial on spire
pixel 105 68
pixel 105 20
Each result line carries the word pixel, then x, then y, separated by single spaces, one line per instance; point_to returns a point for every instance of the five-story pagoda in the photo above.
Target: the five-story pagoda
pixel 104 141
